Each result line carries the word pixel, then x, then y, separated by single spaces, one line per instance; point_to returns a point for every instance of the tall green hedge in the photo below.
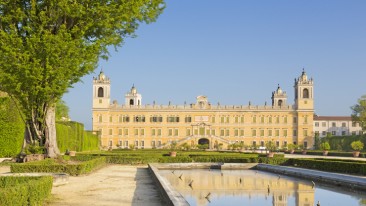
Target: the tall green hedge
pixel 343 143
pixel 11 128
pixel 71 136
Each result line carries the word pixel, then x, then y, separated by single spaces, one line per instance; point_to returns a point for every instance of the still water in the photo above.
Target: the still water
pixel 252 187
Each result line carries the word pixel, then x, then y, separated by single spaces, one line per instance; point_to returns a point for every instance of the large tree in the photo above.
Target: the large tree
pixel 48 45
pixel 359 112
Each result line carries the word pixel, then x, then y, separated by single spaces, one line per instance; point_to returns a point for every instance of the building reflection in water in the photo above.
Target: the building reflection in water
pixel 209 185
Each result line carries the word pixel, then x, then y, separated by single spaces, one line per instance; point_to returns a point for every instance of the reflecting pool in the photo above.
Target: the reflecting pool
pixel 252 187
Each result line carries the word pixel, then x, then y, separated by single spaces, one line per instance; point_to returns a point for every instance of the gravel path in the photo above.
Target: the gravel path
pixel 112 185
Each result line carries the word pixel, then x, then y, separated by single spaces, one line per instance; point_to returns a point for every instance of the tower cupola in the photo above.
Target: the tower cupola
pixel 279 97
pixel 133 98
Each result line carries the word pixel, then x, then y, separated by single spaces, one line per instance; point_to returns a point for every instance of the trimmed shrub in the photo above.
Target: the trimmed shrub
pixel 345 166
pixel 24 190
pixel 50 166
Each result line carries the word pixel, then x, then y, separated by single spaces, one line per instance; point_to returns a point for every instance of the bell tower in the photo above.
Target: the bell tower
pixel 101 91
pixel 279 98
pixel 133 98
pixel 304 92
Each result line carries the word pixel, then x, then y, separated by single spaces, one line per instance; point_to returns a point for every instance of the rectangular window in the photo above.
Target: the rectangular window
pixel 213 132
pixel 254 143
pixel 270 120
pixel 285 119
pixel 100 118
pixel 119 131
pixel 324 133
pixel 270 133
pixel 285 133
pixel 262 119
pixel 188 119
pixel 202 131
pixel 170 132
pixel 262 143
pixel 110 131
pixel 125 132
pixel 142 143
pixel 354 124
pixel 242 119
pixel 343 133
pixel 222 119
pixel 159 143
pixel 207 132
pixel 277 144
pixel 277 132
pixel 343 124
pixel 295 120
pixel 222 132
pixel 285 144
pixel 236 119
pixel 227 132
pixel 236 132
pixel 334 133
pixel 159 132
pixel 188 132
pixel 153 144
pixel 176 132
pixel 242 132
pixel 333 124
pixel 277 120
pixel 110 119
pixel 136 143
pixel 213 119
pixel 305 132
pixel 136 132
pixel 254 120
pixel 295 132
pixel 227 120
pixel 153 132
pixel 305 119
pixel 324 124
pixel 120 118
pixel 126 143
pixel 142 132
pixel 254 132
pixel 195 131
pixel 316 124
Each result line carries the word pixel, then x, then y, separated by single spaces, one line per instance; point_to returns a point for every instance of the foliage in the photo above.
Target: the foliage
pixel 11 128
pixel 185 146
pixel 202 146
pixel 72 136
pixel 291 146
pixel 47 46
pixel 173 145
pixel 341 166
pixel 317 141
pixel 271 146
pixel 62 110
pixel 357 145
pixel 344 142
pixel 18 191
pixel 359 112
pixel 325 146
pixel 51 166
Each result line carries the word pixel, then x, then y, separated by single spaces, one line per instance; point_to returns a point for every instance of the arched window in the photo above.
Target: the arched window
pixel 100 92
pixel 280 102
pixel 305 93
pixel 131 101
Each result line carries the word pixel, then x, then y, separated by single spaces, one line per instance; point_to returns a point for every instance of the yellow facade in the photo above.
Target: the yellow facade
pixel 153 126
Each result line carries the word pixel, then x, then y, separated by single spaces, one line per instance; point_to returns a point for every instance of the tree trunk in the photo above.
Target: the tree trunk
pixel 52 150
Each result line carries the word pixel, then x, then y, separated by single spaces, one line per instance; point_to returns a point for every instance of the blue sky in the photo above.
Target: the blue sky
pixel 238 51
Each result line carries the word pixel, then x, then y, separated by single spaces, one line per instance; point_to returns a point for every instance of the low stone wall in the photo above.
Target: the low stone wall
pixel 350 181
pixel 169 194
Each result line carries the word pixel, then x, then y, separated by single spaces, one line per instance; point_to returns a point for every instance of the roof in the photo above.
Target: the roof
pixel 332 118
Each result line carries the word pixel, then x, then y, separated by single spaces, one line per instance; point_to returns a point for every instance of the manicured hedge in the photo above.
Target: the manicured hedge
pixel 341 166
pixel 24 190
pixel 330 153
pixel 71 136
pixel 51 166
pixel 11 128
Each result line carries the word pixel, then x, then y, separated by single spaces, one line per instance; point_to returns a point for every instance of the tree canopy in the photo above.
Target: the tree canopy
pixel 359 112
pixel 48 45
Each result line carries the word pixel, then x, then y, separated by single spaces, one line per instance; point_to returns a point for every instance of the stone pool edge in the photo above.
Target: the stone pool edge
pixel 354 182
pixel 169 194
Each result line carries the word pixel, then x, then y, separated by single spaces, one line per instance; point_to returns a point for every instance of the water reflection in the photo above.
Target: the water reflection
pixel 251 187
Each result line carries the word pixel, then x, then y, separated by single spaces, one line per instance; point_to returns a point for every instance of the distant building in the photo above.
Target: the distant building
pixel 153 125
pixel 336 126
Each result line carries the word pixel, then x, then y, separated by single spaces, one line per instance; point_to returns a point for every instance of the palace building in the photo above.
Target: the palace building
pixel 153 126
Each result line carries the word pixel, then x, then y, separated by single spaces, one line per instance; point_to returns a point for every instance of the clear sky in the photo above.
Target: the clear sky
pixel 238 51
